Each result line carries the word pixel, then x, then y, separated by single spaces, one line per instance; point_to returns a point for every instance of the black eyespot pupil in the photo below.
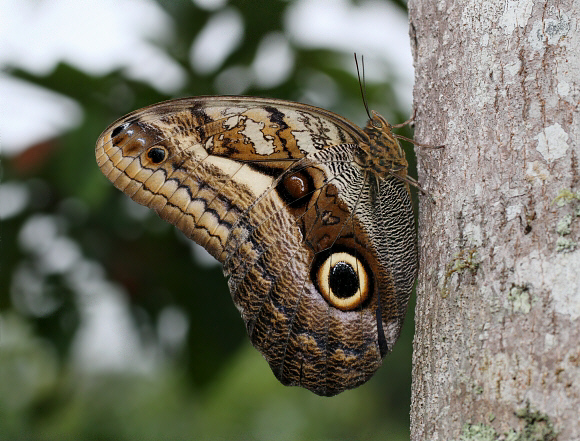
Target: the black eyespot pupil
pixel 343 280
pixel 156 154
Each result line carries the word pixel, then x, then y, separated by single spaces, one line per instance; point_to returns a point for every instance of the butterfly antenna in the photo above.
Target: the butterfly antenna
pixel 362 83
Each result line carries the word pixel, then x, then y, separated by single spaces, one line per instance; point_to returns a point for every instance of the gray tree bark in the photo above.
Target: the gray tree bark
pixel 497 339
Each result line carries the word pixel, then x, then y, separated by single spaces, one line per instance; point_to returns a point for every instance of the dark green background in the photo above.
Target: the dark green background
pixel 216 386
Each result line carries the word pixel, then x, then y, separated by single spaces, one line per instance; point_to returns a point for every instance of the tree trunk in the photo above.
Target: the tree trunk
pixel 497 339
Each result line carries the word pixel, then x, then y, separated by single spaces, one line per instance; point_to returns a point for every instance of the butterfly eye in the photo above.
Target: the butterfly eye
pixel 157 154
pixel 343 281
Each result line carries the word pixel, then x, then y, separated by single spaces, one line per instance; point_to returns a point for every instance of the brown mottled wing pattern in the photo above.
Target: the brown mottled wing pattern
pixel 317 241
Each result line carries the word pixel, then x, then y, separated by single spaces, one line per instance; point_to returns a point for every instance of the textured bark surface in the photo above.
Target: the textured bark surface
pixel 497 340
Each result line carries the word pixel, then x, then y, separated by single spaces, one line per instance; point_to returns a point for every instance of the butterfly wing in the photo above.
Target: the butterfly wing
pixel 270 188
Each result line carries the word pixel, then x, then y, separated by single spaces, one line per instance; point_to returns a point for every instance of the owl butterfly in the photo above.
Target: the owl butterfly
pixel 310 216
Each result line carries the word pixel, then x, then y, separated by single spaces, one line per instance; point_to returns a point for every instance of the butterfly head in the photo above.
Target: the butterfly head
pixel 378 127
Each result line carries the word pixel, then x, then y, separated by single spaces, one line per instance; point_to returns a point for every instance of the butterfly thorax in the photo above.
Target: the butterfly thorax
pixel 382 154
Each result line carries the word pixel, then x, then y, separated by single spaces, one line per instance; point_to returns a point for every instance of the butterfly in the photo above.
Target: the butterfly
pixel 310 216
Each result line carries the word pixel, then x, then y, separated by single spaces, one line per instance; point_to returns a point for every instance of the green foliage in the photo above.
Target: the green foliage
pixel 214 386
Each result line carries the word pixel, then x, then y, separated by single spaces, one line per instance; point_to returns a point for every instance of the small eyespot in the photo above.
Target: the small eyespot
pixel 296 185
pixel 296 188
pixel 157 154
pixel 343 281
pixel 118 130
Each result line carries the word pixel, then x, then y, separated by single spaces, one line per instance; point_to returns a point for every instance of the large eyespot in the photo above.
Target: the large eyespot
pixel 157 154
pixel 343 281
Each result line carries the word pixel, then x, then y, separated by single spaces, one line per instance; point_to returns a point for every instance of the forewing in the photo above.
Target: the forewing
pixel 219 156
